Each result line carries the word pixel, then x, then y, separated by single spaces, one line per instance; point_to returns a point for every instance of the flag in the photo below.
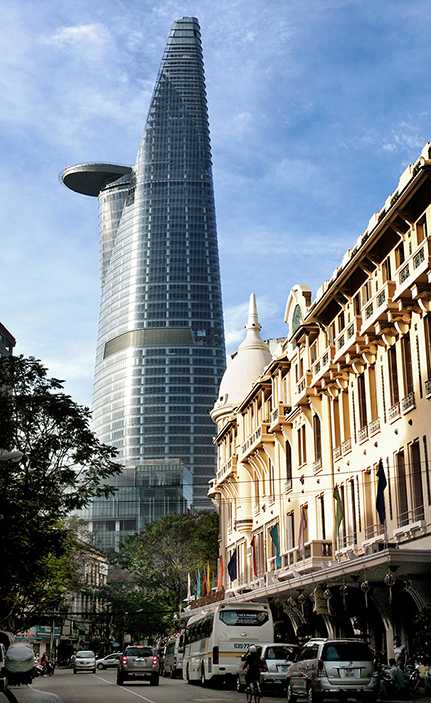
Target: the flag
pixel 232 566
pixel 220 574
pixel 339 509
pixel 380 497
pixel 209 581
pixel 198 584
pixel 253 555
pixel 302 528
pixel 189 587
pixel 204 582
pixel 276 542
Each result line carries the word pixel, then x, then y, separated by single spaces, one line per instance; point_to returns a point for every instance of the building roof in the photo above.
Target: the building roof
pixel 90 179
pixel 245 366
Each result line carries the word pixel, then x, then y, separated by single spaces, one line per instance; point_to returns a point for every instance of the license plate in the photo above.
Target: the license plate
pixel 350 673
pixel 282 667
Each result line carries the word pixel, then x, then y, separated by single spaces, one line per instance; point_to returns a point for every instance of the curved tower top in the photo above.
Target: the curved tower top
pixel 160 352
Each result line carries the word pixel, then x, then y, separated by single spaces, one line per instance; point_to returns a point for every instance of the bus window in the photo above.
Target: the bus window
pixel 244 617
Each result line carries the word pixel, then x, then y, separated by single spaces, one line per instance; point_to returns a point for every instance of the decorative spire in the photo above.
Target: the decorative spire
pixel 253 339
pixel 252 320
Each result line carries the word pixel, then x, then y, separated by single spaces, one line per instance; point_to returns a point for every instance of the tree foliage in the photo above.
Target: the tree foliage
pixel 166 552
pixel 63 465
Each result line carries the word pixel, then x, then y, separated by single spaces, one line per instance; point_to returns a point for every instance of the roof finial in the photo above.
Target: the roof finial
pixel 253 319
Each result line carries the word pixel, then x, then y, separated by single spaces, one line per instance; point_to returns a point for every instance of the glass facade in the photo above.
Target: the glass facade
pixel 160 352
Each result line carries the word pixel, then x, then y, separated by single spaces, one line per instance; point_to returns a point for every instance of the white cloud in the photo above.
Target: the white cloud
pixel 87 36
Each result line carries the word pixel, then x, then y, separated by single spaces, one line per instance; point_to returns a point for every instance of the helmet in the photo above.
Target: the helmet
pixel 252 648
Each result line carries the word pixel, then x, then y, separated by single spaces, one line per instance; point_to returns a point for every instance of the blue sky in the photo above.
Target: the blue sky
pixel 316 106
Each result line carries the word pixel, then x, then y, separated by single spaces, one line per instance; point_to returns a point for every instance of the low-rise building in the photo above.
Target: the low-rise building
pixel 323 481
pixel 7 341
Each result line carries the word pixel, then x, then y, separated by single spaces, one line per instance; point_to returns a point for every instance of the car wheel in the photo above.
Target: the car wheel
pixel 120 680
pixel 100 666
pixel 154 680
pixel 290 695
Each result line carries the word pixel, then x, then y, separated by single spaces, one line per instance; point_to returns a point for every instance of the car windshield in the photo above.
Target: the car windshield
pixel 279 652
pixel 84 655
pixel 138 651
pixel 347 651
pixel 244 617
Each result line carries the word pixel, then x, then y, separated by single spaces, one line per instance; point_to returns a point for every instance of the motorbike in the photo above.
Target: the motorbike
pixel 408 690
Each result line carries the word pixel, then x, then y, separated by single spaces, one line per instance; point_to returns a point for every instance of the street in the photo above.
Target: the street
pixel 101 688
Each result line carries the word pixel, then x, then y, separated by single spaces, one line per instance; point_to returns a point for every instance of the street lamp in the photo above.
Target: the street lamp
pixel 15 455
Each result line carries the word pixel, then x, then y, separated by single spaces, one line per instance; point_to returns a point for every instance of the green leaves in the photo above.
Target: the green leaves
pixel 62 467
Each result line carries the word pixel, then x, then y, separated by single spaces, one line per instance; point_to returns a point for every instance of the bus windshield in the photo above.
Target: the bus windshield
pixel 240 617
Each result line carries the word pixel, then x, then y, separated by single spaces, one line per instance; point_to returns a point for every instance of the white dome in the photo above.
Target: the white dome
pixel 244 368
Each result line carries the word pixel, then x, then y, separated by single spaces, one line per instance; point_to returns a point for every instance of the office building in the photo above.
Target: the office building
pixel 160 350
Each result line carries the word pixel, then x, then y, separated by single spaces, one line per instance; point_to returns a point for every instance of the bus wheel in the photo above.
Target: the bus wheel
pixel 203 679
pixel 188 674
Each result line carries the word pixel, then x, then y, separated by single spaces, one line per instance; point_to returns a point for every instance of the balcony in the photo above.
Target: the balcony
pixel 378 306
pixel 321 367
pixel 428 388
pixel 346 446
pixel 362 434
pixel 373 532
pixel 256 440
pixel 374 427
pixel 316 554
pixel 408 403
pixel 347 338
pixel 302 390
pixel 278 417
pixel 394 412
pixel 410 522
pixel 414 269
pixel 227 470
pixel 317 465
pixel 336 453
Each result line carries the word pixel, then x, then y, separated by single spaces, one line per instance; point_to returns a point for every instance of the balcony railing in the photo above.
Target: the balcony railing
pixel 321 367
pixel 302 389
pixel 314 553
pixel 372 531
pixel 259 436
pixel 336 453
pixel 347 338
pixel 278 416
pixel 377 307
pixel 363 434
pixel 346 446
pixel 414 268
pixel 317 465
pixel 394 412
pixel 374 427
pixel 410 517
pixel 227 469
pixel 408 403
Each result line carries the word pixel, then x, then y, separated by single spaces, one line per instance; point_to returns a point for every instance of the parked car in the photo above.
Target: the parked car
pixel 335 668
pixel 85 660
pixel 3 673
pixel 276 658
pixel 173 657
pixel 108 662
pixel 138 662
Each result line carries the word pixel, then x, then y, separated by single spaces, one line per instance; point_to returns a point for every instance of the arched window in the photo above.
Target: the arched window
pixel 317 433
pixel 288 465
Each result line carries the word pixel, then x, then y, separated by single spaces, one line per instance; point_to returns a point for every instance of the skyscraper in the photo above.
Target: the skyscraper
pixel 160 352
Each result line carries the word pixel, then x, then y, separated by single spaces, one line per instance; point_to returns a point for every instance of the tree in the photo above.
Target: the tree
pixel 162 556
pixel 63 466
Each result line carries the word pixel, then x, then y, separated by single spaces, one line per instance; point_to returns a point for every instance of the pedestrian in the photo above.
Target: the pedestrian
pixel 400 653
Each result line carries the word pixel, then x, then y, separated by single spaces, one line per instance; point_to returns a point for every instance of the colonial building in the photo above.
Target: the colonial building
pixel 301 436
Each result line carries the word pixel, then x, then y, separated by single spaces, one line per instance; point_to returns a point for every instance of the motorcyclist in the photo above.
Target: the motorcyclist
pixel 398 679
pixel 252 666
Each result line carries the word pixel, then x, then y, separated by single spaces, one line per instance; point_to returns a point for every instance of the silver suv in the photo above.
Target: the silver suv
pixel 326 668
pixel 138 662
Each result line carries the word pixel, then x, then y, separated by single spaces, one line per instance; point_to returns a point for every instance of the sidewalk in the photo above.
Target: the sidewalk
pixel 28 694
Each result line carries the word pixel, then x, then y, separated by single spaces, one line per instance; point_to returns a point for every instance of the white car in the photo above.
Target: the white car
pixel 275 659
pixel 109 662
pixel 85 660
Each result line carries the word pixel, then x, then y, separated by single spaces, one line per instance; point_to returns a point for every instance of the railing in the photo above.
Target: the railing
pixel 347 337
pixel 394 412
pixel 336 453
pixel 317 465
pixel 413 267
pixel 363 433
pixel 408 403
pixel 278 415
pixel 409 517
pixel 302 387
pixel 373 531
pixel 260 434
pixel 346 446
pixel 274 415
pixel 374 427
pixel 322 364
pixel 315 549
pixel 428 387
pixel 345 541
pixel 377 305
pixel 227 469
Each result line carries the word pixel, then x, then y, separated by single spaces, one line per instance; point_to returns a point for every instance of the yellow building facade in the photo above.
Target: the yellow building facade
pixel 301 435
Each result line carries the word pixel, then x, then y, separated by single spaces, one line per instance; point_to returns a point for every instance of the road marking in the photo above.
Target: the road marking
pixel 125 690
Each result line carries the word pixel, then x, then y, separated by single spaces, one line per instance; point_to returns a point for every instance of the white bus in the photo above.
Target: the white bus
pixel 216 638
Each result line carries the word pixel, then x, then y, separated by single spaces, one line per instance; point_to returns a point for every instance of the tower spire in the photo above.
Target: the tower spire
pixel 253 340
pixel 253 319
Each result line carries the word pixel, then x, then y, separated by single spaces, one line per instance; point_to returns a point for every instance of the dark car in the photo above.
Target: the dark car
pixel 139 662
